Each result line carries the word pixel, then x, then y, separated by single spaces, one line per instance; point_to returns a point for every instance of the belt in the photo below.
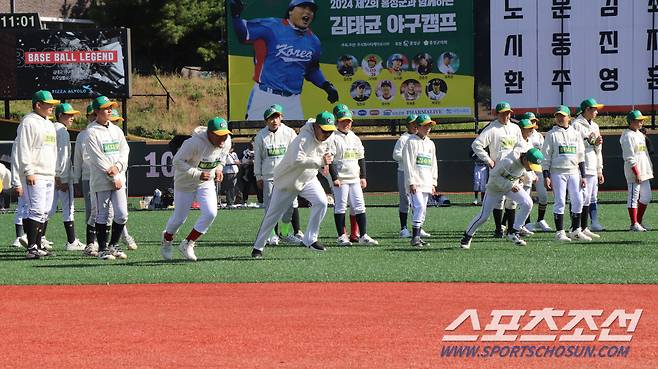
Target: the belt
pixel 275 92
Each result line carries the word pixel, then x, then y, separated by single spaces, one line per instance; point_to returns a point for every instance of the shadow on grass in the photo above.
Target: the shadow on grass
pixel 424 249
pixel 161 263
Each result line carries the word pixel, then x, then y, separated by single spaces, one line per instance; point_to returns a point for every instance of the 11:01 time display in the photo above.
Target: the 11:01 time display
pixel 19 21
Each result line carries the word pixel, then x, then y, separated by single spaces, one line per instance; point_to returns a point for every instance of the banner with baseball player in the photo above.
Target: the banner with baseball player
pixel 383 58
pixel 547 53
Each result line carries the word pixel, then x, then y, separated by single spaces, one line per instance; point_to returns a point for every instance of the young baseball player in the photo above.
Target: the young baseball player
pixel 638 169
pixel 536 139
pixel 107 152
pixel 348 173
pixel 270 145
pixel 480 178
pixel 195 165
pixel 64 193
pixel 36 153
pixel 506 180
pixel 81 176
pixel 500 137
pixel 21 208
pixel 592 141
pixel 296 174
pixel 527 129
pixel 564 171
pixel 421 174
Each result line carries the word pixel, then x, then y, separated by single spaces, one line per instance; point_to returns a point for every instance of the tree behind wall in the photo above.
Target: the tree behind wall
pixel 168 34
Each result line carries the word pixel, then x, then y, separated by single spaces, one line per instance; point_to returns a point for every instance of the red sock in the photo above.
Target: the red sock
pixel 632 213
pixel 168 236
pixel 354 227
pixel 193 235
pixel 641 208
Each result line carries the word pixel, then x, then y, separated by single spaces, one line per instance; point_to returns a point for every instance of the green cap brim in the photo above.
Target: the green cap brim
pixel 328 127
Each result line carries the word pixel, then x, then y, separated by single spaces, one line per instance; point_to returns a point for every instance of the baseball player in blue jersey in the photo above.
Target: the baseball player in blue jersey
pixel 286 53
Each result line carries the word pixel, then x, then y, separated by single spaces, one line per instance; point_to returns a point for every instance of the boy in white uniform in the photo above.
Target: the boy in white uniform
pixel 195 165
pixel 536 139
pixel 81 176
pixel 564 171
pixel 592 141
pixel 421 174
pixel 527 129
pixel 107 152
pixel 270 146
pixel 295 175
pixel 506 180
pixel 36 155
pixel 348 173
pixel 21 209
pixel 638 169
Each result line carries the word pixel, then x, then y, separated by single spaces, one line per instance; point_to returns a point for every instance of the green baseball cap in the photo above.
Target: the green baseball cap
pixel 590 103
pixel 65 108
pixel 526 123
pixel 635 115
pixel 535 157
pixel 90 109
pixel 424 119
pixel 503 107
pixel 274 109
pixel 116 117
pixel 102 102
pixel 342 112
pixel 411 118
pixel 218 126
pixel 44 96
pixel 563 110
pixel 326 120
pixel 530 115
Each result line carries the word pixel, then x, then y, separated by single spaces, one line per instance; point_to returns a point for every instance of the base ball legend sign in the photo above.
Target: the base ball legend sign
pixel 71 64
pixel 550 52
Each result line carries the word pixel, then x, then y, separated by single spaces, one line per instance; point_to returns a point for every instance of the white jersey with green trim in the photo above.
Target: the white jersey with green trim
pixel 269 149
pixel 635 153
pixel 195 156
pixel 106 147
pixel 348 150
pixel 563 149
pixel 420 165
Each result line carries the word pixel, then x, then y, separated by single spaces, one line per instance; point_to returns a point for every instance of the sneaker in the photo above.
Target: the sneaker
pixel 257 254
pixel 129 241
pixel 424 234
pixel 116 251
pixel 416 242
pixel 404 233
pixel 498 233
pixel 578 235
pixel 475 202
pixel 273 241
pixel 562 236
pixel 524 231
pixel 33 253
pixel 542 226
pixel 367 240
pixel 530 227
pixel 596 227
pixel 354 239
pixel 165 248
pixel 343 240
pixel 74 246
pixel 299 234
pixel 91 249
pixel 317 246
pixel 514 237
pixel 424 243
pixel 46 244
pixel 637 227
pixel 292 239
pixel 465 242
pixel 105 255
pixel 186 247
pixel 590 234
pixel 45 252
pixel 20 241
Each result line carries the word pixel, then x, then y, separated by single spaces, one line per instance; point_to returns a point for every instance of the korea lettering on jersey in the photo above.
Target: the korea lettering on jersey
pixel 282 56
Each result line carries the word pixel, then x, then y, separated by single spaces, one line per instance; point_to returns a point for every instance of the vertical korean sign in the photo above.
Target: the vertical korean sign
pixel 546 53
pixel 385 58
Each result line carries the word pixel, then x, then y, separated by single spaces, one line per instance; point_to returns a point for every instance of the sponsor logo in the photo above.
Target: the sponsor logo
pixel 567 150
pixel 362 113
pixel 111 147
pixel 374 112
pixel 289 54
pixel 388 112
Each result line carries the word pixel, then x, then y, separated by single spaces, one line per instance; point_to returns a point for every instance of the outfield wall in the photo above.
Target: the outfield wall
pixel 150 164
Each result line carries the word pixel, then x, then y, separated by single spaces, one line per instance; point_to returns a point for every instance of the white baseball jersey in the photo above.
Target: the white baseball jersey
pixel 536 139
pixel 635 153
pixel 593 153
pixel 195 156
pixel 106 147
pixel 36 147
pixel 499 138
pixel 269 149
pixel 15 176
pixel 5 178
pixel 446 69
pixel 81 167
pixel 419 162
pixel 371 71
pixel 563 149
pixel 63 165
pixel 508 172
pixel 348 150
pixel 399 148
pixel 302 160
pixel 436 95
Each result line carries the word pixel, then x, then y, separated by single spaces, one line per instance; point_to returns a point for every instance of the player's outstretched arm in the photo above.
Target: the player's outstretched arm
pixel 314 74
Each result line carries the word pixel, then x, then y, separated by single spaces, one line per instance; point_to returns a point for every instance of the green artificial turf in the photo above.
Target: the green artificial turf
pixel 224 254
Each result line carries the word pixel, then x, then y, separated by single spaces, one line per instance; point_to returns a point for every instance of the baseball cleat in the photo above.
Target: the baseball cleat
pixel 272 241
pixel 20 241
pixel 645 226
pixel 590 234
pixel 165 248
pixel 354 239
pixel 424 234
pixel 530 227
pixel 514 237
pixel 292 239
pixel 33 253
pixel 129 241
pixel 404 233
pixel 316 246
pixel 578 235
pixel 416 242
pixel 343 241
pixel 637 227
pixel 116 251
pixel 498 233
pixel 186 247
pixel 542 226
pixel 74 246
pixel 465 242
pixel 524 231
pixel 45 243
pixel 562 236
pixel 475 202
pixel 596 227
pixel 256 254
pixel 105 255
pixel 91 249
pixel 367 240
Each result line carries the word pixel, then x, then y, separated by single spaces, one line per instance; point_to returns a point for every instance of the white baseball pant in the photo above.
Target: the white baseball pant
pixel 563 183
pixel 93 212
pixel 21 211
pixel 418 203
pixel 493 198
pixel 480 177
pixel 207 198
pixel 260 100
pixel 115 198
pixel 638 193
pixel 404 198
pixel 595 193
pixel 280 202
pixel 542 193
pixel 86 193
pixel 268 186
pixel 590 183
pixel 68 206
pixel 352 191
pixel 38 198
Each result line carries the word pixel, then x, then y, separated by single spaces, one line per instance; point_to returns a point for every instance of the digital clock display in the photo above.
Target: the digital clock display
pixel 20 21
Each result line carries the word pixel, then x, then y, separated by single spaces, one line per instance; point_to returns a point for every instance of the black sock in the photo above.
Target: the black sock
pixel 70 231
pixel 575 221
pixel 41 227
pixel 30 227
pixel 44 226
pixel 511 213
pixel 276 229
pixel 498 218
pixel 339 219
pixel 117 229
pixel 361 221
pixel 415 232
pixel 91 234
pixel 466 237
pixel 295 220
pixel 541 212
pixel 527 220
pixel 403 220
pixel 505 217
pixel 559 221
pixel 101 236
pixel 584 217
pixel 19 230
